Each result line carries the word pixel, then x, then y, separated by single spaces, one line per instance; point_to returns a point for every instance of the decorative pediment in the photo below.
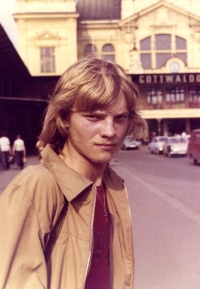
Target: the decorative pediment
pixel 162 14
pixel 47 35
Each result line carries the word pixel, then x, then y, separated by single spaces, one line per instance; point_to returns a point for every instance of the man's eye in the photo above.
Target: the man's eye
pixel 92 116
pixel 122 117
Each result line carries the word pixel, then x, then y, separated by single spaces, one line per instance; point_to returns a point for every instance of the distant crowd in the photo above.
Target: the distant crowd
pixel 11 154
pixel 16 153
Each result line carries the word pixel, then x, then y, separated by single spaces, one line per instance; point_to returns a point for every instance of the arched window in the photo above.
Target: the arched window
pixel 163 49
pixel 108 52
pixel 146 58
pixel 181 44
pixel 157 49
pixel 90 49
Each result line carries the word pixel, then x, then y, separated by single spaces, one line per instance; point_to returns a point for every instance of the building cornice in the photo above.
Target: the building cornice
pixel 110 24
pixel 99 21
pixel 43 15
pixel 170 113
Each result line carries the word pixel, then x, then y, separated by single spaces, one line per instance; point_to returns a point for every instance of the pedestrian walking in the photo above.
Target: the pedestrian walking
pixel 66 223
pixel 5 150
pixel 19 151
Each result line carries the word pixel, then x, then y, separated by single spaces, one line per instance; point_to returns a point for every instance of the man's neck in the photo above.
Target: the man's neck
pixel 90 170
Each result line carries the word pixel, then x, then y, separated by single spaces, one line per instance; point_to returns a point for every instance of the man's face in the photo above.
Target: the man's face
pixel 96 136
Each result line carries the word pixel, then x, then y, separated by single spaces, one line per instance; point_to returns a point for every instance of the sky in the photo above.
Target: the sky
pixel 7 7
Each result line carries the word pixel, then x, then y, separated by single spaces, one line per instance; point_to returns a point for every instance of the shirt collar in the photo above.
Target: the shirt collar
pixel 70 182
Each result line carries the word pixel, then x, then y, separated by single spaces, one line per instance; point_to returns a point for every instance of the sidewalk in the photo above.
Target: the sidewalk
pixel 8 175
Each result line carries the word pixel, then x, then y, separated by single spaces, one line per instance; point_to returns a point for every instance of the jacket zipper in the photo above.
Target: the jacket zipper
pixel 91 241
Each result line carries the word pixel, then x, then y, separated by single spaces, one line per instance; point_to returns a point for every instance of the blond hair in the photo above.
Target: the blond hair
pixel 90 84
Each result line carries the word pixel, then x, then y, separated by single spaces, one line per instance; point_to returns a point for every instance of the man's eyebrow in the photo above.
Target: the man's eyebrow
pixel 105 112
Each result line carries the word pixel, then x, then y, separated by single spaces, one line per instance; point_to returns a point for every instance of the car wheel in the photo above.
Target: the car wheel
pixel 195 161
pixel 192 160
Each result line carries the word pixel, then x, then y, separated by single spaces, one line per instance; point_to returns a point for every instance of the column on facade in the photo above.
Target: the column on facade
pixel 165 127
pixel 187 126
pixel 159 125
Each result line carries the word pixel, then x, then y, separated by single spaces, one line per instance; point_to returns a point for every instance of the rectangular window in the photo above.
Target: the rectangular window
pixel 161 59
pixel 154 96
pixel 146 60
pixel 194 96
pixel 163 42
pixel 47 56
pixel 198 137
pixel 110 57
pixel 175 94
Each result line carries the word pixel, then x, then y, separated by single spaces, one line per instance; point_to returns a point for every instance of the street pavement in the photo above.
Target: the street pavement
pixel 164 201
pixel 7 175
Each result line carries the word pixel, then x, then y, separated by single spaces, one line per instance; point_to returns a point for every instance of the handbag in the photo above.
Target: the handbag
pixel 11 159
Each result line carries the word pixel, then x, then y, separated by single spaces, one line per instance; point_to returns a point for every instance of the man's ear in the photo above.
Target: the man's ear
pixel 66 123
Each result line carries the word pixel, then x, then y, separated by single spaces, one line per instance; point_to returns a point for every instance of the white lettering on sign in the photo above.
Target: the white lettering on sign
pixel 169 78
pixel 191 78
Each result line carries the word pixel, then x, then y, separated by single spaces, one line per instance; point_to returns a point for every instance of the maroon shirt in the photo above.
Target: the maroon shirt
pixel 99 273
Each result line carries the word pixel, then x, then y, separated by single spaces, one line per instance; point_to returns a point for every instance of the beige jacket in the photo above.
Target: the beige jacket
pixel 30 206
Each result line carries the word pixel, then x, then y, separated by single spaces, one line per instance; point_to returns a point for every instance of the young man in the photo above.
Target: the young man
pixel 91 111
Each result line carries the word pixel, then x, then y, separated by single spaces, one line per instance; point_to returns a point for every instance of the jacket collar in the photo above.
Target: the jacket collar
pixel 71 182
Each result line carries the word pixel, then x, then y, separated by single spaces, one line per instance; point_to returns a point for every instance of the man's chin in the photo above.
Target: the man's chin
pixel 102 160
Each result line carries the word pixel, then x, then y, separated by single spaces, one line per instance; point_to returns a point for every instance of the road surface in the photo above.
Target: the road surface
pixel 164 196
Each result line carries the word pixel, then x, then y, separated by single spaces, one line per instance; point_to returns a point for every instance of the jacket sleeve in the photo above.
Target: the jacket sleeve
pixel 22 263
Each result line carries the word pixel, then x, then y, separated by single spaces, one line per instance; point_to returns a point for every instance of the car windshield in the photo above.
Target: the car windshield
pixel 128 138
pixel 162 139
pixel 183 140
pixel 173 140
pixel 177 140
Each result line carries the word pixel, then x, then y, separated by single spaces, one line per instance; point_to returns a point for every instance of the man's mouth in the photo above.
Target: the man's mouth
pixel 106 146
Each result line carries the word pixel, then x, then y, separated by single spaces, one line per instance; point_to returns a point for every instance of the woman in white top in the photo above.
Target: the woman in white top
pixel 20 151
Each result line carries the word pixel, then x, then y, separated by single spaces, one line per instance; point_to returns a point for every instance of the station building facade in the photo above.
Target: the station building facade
pixel 156 42
pixel 170 102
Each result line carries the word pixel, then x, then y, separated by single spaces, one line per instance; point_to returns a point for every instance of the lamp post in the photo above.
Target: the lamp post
pixel 135 62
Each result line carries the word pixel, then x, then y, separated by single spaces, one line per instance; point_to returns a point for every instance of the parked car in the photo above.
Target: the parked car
pixel 156 145
pixel 175 145
pixel 130 143
pixel 194 146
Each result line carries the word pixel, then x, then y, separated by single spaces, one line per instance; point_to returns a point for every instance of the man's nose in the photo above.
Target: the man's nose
pixel 108 128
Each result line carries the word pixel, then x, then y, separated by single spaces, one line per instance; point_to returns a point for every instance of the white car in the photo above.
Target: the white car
pixel 130 143
pixel 156 145
pixel 175 146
